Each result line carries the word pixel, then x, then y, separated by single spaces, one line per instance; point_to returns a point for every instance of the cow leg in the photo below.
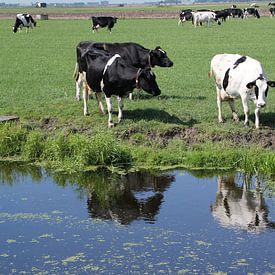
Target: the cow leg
pixel 77 88
pixel 85 99
pixel 120 108
pixel 219 104
pixel 99 102
pixel 110 110
pixel 246 110
pixel 257 118
pixel 233 109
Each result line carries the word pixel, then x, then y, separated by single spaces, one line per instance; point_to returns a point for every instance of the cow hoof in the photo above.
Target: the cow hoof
pixel 78 98
pixel 86 114
pixel 111 125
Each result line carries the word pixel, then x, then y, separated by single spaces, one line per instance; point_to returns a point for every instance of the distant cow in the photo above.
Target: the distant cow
pixel 235 12
pixel 204 16
pixel 23 20
pixel 133 53
pixel 222 14
pixel 185 15
pixel 271 4
pixel 240 76
pixel 111 75
pixel 251 11
pixel 103 21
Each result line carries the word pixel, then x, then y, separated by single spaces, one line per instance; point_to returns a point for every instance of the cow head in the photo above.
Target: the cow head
pixel 146 80
pixel 158 57
pixel 14 29
pixel 260 87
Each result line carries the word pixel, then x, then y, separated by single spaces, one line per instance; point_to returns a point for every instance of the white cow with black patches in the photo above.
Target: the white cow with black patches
pixel 240 76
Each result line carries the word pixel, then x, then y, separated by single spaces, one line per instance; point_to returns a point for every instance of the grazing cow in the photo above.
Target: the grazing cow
pixel 235 12
pixel 222 14
pixel 240 76
pixel 23 20
pixel 251 11
pixel 204 16
pixel 240 207
pixel 185 15
pixel 103 21
pixel 272 11
pixel 133 53
pixel 111 75
pixel 271 4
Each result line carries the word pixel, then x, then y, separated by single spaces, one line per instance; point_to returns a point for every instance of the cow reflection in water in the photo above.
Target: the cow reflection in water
pixel 241 207
pixel 130 197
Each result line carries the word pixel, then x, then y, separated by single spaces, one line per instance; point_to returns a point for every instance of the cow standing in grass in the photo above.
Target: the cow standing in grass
pixel 204 16
pixel 111 75
pixel 240 76
pixel 103 21
pixel 133 53
pixel 23 20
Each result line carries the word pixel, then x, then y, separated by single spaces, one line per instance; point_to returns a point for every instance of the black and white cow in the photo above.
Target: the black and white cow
pixel 111 75
pixel 204 16
pixel 103 21
pixel 251 11
pixel 133 53
pixel 222 14
pixel 185 15
pixel 240 76
pixel 235 12
pixel 23 20
pixel 272 11
pixel 271 4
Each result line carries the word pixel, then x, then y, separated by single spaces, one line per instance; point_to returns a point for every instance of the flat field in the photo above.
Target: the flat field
pixel 36 74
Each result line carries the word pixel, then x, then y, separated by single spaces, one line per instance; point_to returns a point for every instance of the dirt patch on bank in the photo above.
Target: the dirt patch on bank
pixel 264 138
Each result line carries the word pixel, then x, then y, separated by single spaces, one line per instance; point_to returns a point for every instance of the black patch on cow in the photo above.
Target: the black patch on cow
pixel 256 89
pixel 225 80
pixel 239 61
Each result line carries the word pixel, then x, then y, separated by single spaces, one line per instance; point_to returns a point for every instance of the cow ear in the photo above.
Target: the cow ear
pixel 271 83
pixel 250 85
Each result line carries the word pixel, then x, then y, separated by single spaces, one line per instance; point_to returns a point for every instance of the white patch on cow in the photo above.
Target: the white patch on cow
pixel 21 17
pixel 110 62
pixel 162 51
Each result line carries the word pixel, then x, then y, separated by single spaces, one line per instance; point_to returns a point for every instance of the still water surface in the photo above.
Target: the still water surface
pixel 141 223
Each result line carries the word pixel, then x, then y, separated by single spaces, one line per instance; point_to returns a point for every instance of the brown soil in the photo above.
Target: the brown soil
pixel 120 14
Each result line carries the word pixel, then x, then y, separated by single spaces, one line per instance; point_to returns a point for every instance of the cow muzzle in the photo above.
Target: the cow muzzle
pixel 261 104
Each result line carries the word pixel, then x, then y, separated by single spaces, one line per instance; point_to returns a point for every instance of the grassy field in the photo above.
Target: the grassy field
pixel 177 128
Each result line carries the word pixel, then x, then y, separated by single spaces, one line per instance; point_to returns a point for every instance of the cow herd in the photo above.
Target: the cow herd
pixel 209 16
pixel 116 69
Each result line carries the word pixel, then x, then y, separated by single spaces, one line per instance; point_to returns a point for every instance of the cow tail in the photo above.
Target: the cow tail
pixel 76 72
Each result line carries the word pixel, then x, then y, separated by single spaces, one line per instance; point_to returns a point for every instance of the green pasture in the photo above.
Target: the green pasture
pixel 36 76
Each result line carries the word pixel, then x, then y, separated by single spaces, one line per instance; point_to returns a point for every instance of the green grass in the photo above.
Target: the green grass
pixel 37 85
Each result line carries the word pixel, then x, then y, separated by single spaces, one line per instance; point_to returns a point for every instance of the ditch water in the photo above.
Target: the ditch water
pixel 142 223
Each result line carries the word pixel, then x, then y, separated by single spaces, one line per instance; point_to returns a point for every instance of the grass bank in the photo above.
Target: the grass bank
pixel 179 128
